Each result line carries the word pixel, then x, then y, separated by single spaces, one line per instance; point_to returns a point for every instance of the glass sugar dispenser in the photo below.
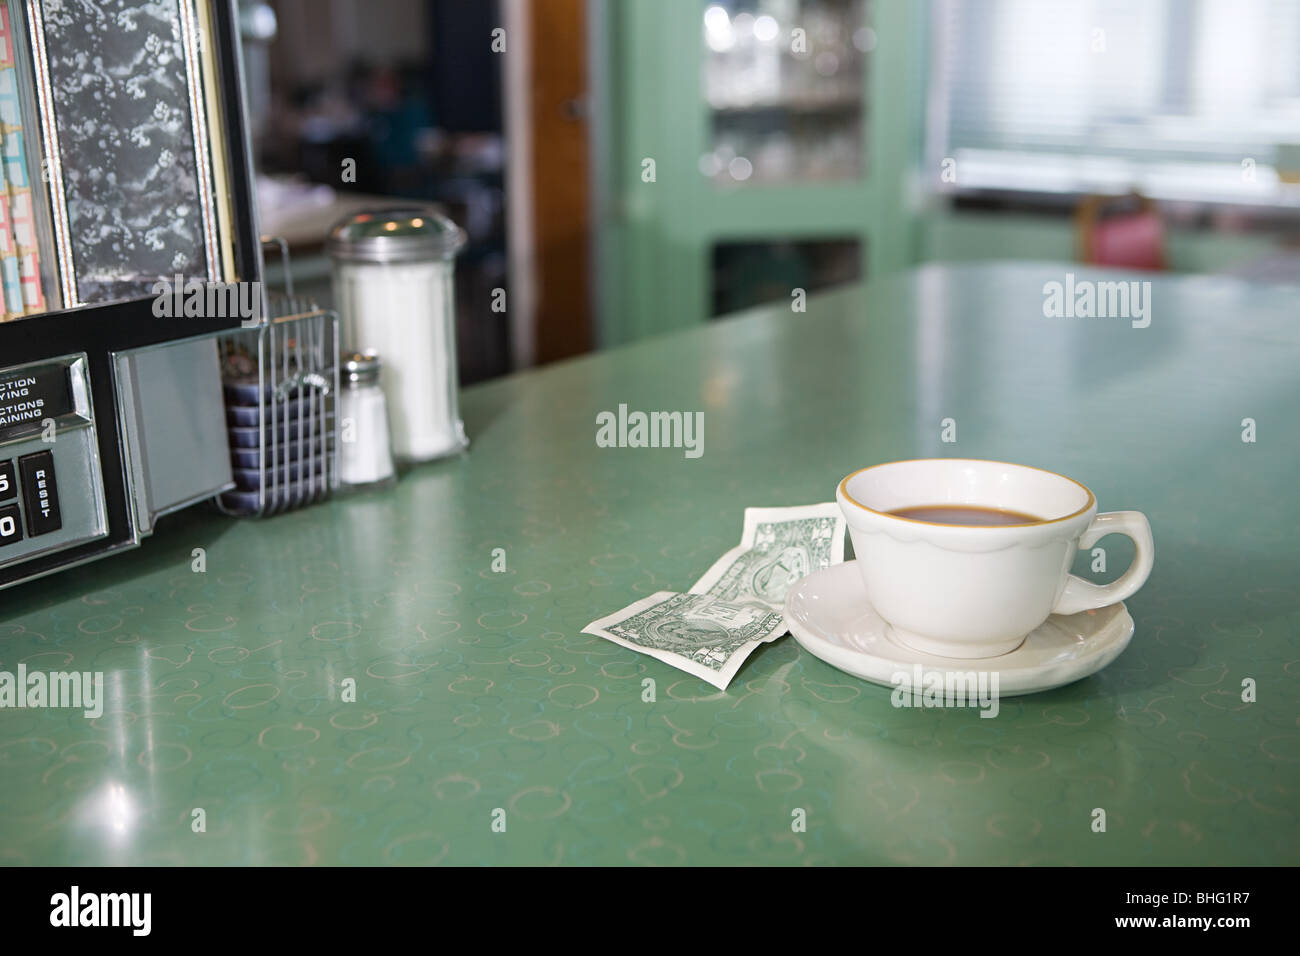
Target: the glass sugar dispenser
pixel 393 274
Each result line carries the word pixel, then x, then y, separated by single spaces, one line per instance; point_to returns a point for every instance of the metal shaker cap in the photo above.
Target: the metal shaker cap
pixel 407 234
pixel 360 369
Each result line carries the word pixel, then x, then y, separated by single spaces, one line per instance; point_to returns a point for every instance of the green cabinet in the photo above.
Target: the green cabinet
pixel 691 87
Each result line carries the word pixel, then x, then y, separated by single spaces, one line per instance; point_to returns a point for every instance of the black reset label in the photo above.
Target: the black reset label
pixel 32 394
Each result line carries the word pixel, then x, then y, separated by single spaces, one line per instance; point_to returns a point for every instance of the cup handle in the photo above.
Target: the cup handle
pixel 1080 595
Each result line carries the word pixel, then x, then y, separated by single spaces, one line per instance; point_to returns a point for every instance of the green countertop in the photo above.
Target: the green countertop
pixel 476 691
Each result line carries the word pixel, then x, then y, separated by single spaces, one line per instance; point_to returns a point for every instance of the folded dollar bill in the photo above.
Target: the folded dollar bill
pixel 736 606
pixel 696 633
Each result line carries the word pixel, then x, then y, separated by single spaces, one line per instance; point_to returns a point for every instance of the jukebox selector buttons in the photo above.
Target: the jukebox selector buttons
pixel 11 525
pixel 8 480
pixel 40 493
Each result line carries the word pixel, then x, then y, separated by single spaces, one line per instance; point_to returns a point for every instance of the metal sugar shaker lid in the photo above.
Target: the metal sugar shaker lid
pixel 408 234
pixel 360 368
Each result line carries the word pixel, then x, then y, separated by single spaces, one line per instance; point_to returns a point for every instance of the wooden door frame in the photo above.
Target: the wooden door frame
pixel 549 180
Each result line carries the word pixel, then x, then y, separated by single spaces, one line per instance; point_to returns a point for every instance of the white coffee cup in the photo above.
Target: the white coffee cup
pixel 970 591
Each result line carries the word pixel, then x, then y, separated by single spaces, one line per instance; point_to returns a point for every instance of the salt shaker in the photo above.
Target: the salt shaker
pixel 365 453
pixel 392 273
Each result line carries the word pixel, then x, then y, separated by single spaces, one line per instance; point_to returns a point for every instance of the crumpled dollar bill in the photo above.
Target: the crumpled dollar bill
pixel 737 604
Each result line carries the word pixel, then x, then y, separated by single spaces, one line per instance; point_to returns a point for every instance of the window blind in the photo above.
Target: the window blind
pixel 1185 97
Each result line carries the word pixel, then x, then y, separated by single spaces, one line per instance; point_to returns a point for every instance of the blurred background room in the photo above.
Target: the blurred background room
pixel 623 168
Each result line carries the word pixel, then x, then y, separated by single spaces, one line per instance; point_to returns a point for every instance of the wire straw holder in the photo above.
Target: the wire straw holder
pixel 281 381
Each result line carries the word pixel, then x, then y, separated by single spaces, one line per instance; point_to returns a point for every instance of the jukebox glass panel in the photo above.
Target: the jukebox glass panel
pixel 114 158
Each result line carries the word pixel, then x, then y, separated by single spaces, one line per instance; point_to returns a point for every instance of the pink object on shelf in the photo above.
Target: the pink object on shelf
pixel 1133 241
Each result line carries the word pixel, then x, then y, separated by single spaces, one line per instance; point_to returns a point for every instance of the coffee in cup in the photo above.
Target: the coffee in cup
pixel 963 558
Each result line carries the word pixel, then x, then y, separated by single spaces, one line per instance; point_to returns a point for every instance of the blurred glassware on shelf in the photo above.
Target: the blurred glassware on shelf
pixel 785 83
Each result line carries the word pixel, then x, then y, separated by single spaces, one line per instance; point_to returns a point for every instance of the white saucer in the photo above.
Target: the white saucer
pixel 829 615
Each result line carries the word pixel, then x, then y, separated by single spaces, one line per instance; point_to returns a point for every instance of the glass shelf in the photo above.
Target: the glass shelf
pixel 785 82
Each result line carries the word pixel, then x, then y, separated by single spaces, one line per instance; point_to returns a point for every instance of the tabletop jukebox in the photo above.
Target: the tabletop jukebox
pixel 128 241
